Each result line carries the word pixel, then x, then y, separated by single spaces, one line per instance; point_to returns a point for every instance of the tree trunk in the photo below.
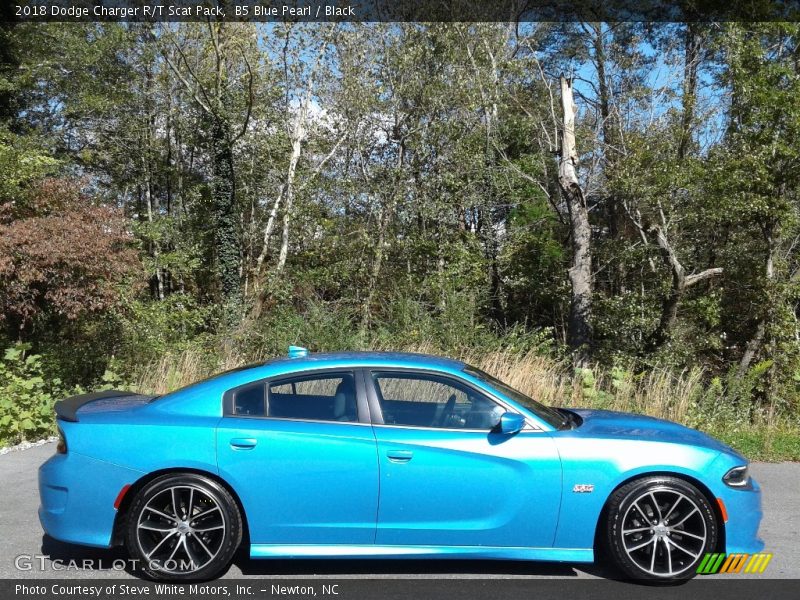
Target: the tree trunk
pixel 215 102
pixel 297 144
pixel 691 60
pixel 384 220
pixel 226 230
pixel 612 151
pixel 273 214
pixel 383 225
pixel 287 191
pixel 580 273
pixel 609 133
pixel 755 343
pixel 680 283
pixel 157 280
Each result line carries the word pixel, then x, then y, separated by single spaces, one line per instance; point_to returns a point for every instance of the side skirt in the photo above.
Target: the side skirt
pixel 578 555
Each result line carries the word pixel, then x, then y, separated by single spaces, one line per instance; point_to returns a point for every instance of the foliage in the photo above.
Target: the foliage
pixel 60 256
pixel 175 199
pixel 150 329
pixel 27 396
pixel 21 162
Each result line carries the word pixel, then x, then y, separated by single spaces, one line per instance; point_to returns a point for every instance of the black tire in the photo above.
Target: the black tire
pixel 188 516
pixel 654 527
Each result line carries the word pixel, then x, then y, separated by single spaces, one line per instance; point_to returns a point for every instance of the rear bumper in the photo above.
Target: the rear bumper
pixel 77 496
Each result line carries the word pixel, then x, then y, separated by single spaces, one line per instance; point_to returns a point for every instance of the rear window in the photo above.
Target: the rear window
pixel 321 397
pixel 315 397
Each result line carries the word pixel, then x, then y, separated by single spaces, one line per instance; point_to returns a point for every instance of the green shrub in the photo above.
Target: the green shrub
pixel 26 397
pixel 150 330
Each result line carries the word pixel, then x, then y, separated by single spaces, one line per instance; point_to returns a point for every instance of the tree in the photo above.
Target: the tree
pixel 580 273
pixel 61 257
pixel 760 164
pixel 297 120
pixel 223 90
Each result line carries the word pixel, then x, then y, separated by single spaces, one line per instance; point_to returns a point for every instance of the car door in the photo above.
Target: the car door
pixel 301 455
pixel 447 477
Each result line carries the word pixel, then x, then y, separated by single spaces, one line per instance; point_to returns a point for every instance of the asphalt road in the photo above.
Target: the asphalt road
pixel 22 536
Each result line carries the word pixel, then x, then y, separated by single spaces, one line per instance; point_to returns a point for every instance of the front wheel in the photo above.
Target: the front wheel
pixel 659 528
pixel 183 527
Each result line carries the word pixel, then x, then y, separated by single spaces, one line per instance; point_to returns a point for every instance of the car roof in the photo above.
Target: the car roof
pixel 371 358
pixel 198 397
pixel 286 365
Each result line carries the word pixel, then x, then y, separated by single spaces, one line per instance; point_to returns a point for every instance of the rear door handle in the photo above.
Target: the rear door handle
pixel 400 456
pixel 243 443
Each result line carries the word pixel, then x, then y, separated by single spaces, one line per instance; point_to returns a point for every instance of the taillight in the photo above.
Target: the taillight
pixel 61 445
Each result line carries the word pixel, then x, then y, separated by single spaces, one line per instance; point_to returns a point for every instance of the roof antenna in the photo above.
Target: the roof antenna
pixel 297 352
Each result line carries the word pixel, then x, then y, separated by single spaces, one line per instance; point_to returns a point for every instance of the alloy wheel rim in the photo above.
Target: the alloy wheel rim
pixel 181 529
pixel 664 532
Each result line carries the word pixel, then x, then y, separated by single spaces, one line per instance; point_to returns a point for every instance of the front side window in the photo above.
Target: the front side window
pixel 319 397
pixel 547 414
pixel 423 400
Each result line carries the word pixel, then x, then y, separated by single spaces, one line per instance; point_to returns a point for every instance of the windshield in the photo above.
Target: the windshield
pixel 545 413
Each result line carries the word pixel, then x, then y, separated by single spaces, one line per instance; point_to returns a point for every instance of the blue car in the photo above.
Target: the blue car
pixel 387 455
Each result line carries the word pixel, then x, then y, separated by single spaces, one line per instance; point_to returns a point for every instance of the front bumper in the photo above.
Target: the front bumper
pixel 744 518
pixel 77 496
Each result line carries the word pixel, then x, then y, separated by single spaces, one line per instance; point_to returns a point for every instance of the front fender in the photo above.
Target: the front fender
pixel 608 464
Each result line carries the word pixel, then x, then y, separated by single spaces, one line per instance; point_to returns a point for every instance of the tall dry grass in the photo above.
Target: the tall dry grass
pixel 176 370
pixel 659 392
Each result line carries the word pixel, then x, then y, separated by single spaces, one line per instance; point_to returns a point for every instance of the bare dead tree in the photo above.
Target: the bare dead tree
pixel 580 272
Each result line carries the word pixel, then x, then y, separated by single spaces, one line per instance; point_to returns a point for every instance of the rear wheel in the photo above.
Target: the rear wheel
pixel 659 528
pixel 183 527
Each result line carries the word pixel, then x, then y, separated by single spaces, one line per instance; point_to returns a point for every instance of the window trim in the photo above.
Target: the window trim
pixel 377 413
pixel 362 406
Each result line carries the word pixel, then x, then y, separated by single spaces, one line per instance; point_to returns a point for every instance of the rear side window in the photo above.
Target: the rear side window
pixel 314 397
pixel 249 401
pixel 320 397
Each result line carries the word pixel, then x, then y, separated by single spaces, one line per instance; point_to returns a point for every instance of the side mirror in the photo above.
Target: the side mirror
pixel 511 423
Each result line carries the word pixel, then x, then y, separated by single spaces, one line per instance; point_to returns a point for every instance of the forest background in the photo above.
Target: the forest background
pixel 178 199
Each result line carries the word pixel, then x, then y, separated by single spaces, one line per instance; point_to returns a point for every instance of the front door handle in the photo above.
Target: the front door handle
pixel 243 443
pixel 400 456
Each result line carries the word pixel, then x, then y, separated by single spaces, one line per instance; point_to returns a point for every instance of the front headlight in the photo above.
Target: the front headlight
pixel 738 477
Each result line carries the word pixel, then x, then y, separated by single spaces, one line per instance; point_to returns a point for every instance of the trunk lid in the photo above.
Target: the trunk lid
pixel 107 401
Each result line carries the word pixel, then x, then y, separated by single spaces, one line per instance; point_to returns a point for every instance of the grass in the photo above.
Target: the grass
pixel 683 396
pixel 772 444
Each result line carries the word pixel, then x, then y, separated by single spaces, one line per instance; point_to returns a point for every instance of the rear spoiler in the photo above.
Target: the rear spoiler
pixel 67 409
